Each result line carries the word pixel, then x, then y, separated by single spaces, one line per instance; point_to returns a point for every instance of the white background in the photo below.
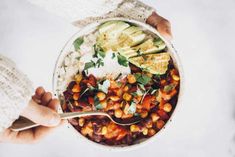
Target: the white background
pixel 204 30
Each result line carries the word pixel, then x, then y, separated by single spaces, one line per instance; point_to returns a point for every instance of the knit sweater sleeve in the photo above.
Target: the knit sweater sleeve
pixel 82 12
pixel 132 9
pixel 15 92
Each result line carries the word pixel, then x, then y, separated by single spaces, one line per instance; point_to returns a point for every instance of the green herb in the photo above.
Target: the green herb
pixel 132 108
pixel 77 43
pixel 78 58
pixel 142 78
pixel 89 65
pixel 141 86
pixel 104 87
pixel 122 60
pixel 138 52
pixel 98 51
pixel 113 55
pixel 96 100
pixel 99 107
pixel 97 104
pixel 169 87
pixel 136 114
pixel 99 63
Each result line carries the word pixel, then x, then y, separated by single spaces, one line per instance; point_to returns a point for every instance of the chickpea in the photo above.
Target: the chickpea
pixel 76 88
pixel 149 124
pixel 87 131
pixel 144 114
pixel 114 98
pixel 154 117
pixel 145 131
pixel 119 92
pixel 116 105
pixel 160 124
pixel 126 88
pixel 131 78
pixel 126 116
pixel 104 103
pixel 167 107
pixel 134 128
pixel 81 122
pixel 104 130
pixel 78 78
pixel 127 96
pixel 118 113
pixel 101 96
pixel 76 103
pixel 175 77
pixel 75 96
pixel 151 132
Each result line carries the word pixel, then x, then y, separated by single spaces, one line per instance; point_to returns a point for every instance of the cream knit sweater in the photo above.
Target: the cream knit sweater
pixel 16 89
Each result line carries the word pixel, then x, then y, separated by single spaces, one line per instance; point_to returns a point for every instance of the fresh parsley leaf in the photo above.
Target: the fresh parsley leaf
pixel 113 55
pixel 77 43
pixel 142 87
pixel 99 63
pixel 142 78
pixel 136 114
pixel 96 101
pixel 89 65
pixel 78 58
pixel 99 107
pixel 169 87
pixel 98 51
pixel 132 108
pixel 122 60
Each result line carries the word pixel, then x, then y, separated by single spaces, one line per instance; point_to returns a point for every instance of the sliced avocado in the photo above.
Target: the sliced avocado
pixel 109 33
pixel 127 52
pixel 153 63
pixel 107 26
pixel 149 46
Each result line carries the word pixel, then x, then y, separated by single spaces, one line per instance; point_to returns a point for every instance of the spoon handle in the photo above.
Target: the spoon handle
pixel 23 123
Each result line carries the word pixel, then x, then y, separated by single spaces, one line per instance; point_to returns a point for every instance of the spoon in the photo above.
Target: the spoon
pixel 23 123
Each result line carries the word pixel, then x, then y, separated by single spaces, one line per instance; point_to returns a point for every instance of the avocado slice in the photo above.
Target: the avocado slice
pixel 149 46
pixel 153 63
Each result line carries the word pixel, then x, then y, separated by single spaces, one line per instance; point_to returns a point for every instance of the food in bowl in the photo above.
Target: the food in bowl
pixel 125 71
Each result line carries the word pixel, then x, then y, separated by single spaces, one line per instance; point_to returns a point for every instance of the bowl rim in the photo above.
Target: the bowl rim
pixel 174 56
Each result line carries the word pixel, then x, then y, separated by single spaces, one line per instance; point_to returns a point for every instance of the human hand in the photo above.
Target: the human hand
pixel 161 24
pixel 42 110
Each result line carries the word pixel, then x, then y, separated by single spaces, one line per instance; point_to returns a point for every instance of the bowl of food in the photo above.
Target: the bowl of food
pixel 124 68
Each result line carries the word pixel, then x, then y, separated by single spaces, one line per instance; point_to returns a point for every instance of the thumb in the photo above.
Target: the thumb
pixel 41 115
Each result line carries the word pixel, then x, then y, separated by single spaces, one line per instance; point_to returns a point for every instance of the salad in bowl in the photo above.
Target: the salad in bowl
pixel 121 67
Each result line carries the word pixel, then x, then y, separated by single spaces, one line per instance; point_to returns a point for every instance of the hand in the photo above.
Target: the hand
pixel 161 24
pixel 43 114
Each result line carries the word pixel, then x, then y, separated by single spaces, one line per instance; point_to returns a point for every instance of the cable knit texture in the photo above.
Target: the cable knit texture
pixel 85 12
pixel 15 92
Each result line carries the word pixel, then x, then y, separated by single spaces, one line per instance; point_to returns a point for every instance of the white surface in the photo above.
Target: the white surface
pixel 204 124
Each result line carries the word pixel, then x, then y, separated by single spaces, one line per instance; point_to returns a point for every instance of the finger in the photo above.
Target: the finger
pixel 161 24
pixel 46 98
pixel 38 94
pixel 41 115
pixel 164 29
pixel 54 104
